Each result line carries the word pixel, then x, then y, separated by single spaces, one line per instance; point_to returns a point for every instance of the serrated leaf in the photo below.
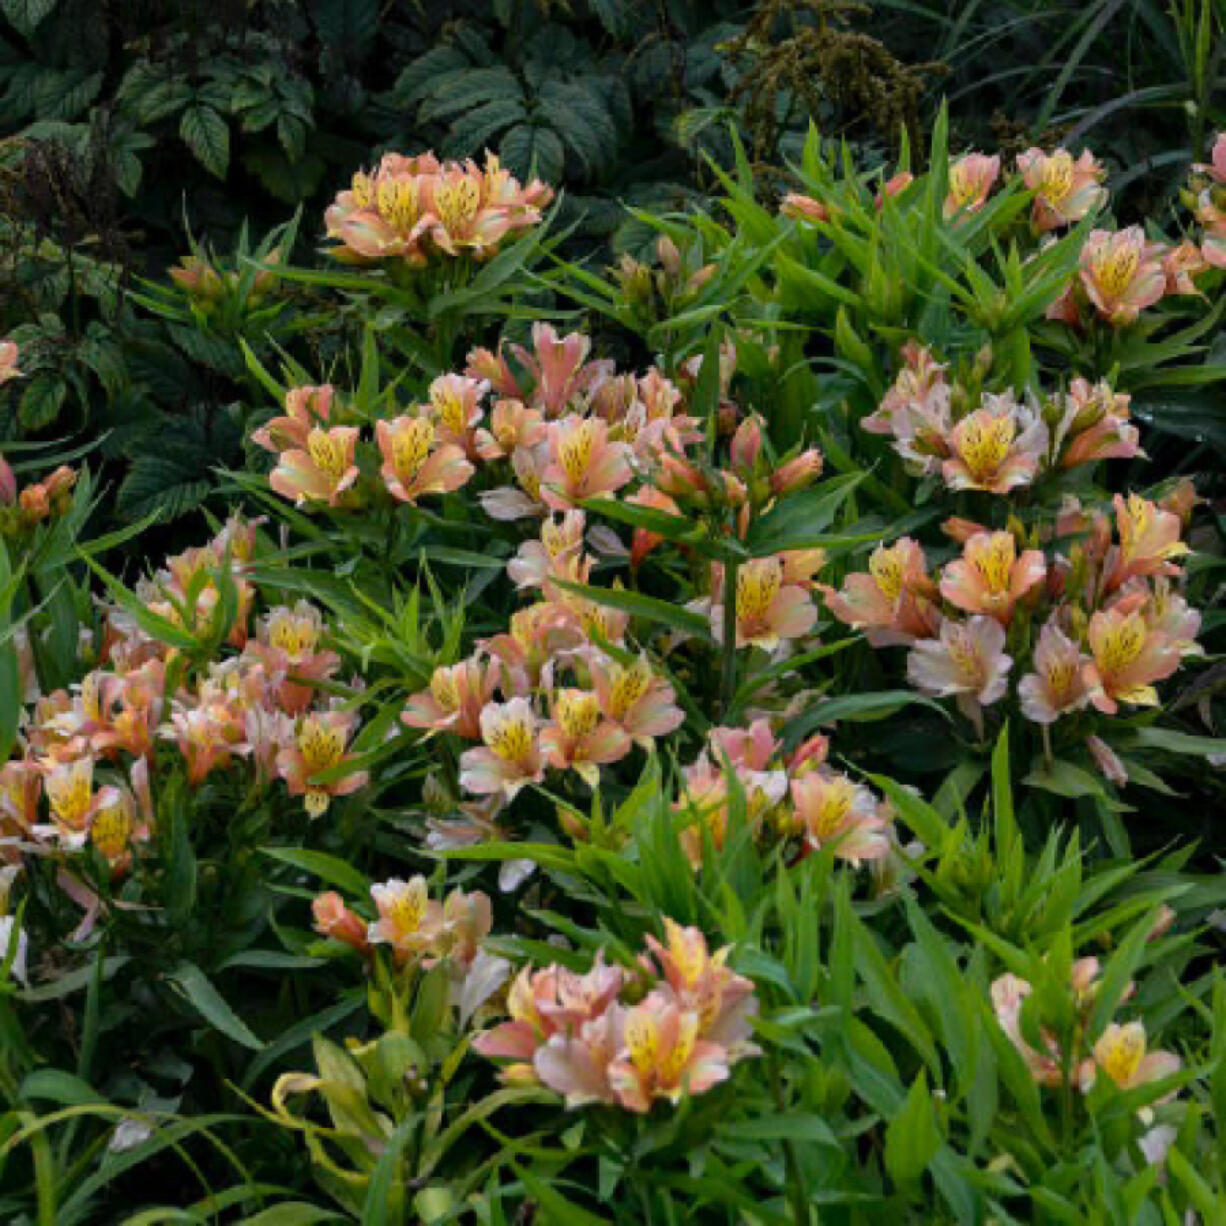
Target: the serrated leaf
pixel 205 133
pixel 41 402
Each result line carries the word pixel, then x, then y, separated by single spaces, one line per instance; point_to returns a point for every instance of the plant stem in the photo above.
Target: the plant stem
pixel 796 1190
pixel 727 685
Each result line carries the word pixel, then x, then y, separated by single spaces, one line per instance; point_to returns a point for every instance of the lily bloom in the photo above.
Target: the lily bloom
pixel 663 1057
pixel 894 602
pixel 579 738
pixel 996 448
pixel 1094 426
pixel 583 463
pixel 536 634
pixel 1065 190
pixel 413 465
pixel 510 757
pixel 967 661
pixel 1121 1053
pixel 537 561
pixel 409 919
pixel 70 792
pixel 511 426
pixel 990 578
pixel 1128 658
pixel 455 407
pixel 319 746
pixel 559 368
pixel 1149 541
pixel 767 609
pixel 287 642
pixel 455 698
pixel 971 179
pixel 832 811
pixel 1181 265
pixel 305 409
pixel 1122 273
pixel 333 919
pixel 635 698
pixel 803 208
pixel 1009 994
pixel 1058 684
pixel 321 471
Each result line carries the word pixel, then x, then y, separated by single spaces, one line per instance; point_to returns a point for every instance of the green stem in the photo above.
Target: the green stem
pixel 795 1185
pixel 727 685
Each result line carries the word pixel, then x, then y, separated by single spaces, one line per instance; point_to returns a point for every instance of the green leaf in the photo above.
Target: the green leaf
pixel 858 708
pixel 57 1086
pixel 205 133
pixel 912 1137
pixel 196 986
pixel 41 401
pixel 799 521
pixel 556 1209
pixel 638 605
pixel 327 868
pixel 26 15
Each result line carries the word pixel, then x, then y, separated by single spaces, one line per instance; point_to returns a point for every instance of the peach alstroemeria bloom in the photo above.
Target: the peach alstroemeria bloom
pixel 1009 994
pixel 510 757
pixel 537 561
pixel 287 642
pixel 1128 658
pixel 583 463
pixel 511 425
pixel 70 793
pixel 767 609
pixel 319 746
pixel 1181 265
pixel 996 448
pixel 663 1057
pixel 990 578
pixel 409 919
pixel 803 208
pixel 322 471
pixel 971 179
pixel 1058 685
pixel 305 408
pixel 797 473
pixel 457 200
pixel 8 362
pixel 579 738
pixel 559 368
pixel 1065 190
pixel 1122 273
pixel 413 465
pixel 832 811
pixel 894 603
pixel 967 661
pixel 536 634
pixel 455 698
pixel 635 698
pixel 455 406
pixel 1149 541
pixel 332 918
pixel 1094 426
pixel 1121 1053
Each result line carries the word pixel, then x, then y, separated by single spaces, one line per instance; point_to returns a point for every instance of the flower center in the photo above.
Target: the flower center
pixel 1115 269
pixel 327 454
pixel 1122 644
pixel 995 563
pixel 985 444
pixel 511 739
pixel 444 688
pixel 575 451
pixel 757 586
pixel 397 202
pixel 457 203
pixel 629 685
pixel 1056 177
pixel 321 747
pixel 886 568
pixel 110 831
pixel 410 447
pixel 577 713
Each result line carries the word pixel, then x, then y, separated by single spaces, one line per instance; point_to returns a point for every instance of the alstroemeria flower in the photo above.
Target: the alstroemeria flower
pixel 511 426
pixel 1065 190
pixel 287 642
pixel 1181 265
pixel 409 919
pixel 768 610
pixel 537 561
pixel 971 179
pixel 536 634
pixel 996 448
pixel 1149 541
pixel 455 407
pixel 967 661
pixel 583 463
pixel 455 698
pixel 579 738
pixel 803 208
pixel 634 697
pixel 510 757
pixel 559 368
pixel 704 800
pixel 990 577
pixel 305 409
pixel 1122 273
pixel 319 745
pixel 333 919
pixel 8 362
pixel 414 464
pixel 1094 426
pixel 1121 1053
pixel 1058 685
pixel 663 1057
pixel 69 787
pixel 1128 658
pixel 1009 994
pixel 1167 612
pixel 894 604
pixel 747 749
pixel 320 472
pixel 833 811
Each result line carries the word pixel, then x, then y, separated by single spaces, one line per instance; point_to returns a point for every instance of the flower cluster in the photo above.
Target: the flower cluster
pixel 1120 1053
pixel 90 752
pixel 415 209
pixel 1109 623
pixel 579 1036
pixel 796 797
pixel 1210 204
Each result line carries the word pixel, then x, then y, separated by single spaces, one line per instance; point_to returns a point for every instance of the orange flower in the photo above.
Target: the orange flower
pixel 413 465
pixel 1122 273
pixel 970 180
pixel 894 602
pixel 768 610
pixel 1065 190
pixel 321 471
pixel 996 448
pixel 583 463
pixel 319 747
pixel 1129 657
pixel 579 737
pixel 990 578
